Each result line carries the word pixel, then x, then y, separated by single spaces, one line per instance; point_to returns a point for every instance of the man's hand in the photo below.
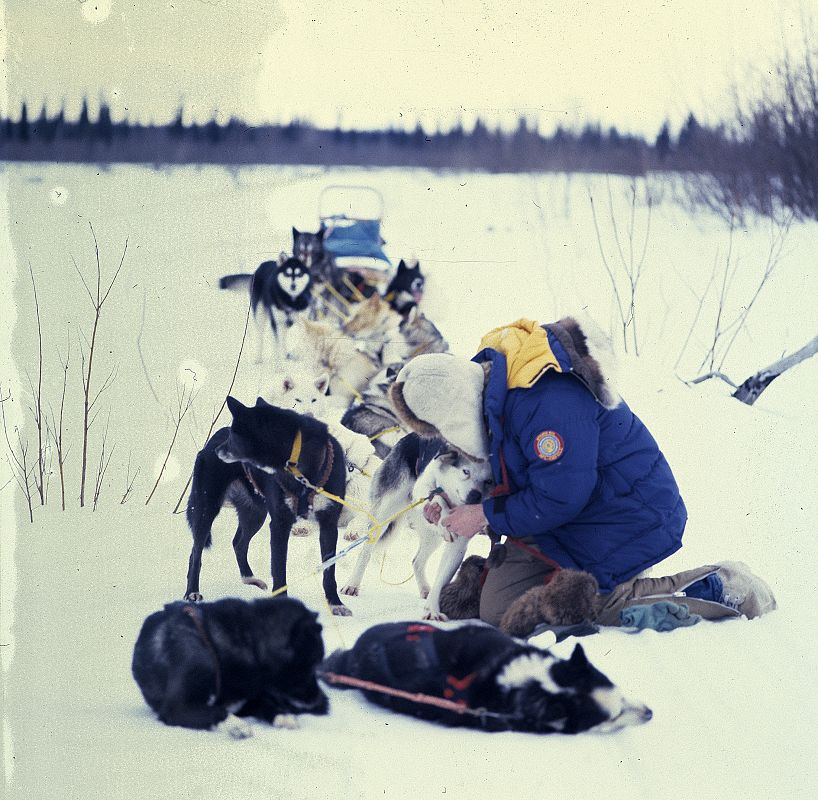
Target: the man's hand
pixel 432 512
pixel 466 521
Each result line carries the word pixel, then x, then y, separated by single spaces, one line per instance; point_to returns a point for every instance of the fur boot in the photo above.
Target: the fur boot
pixel 461 598
pixel 569 598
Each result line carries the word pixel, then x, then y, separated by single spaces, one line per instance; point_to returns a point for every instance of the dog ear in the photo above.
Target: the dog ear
pixel 322 382
pixel 448 457
pixel 321 233
pixel 261 403
pixel 282 257
pixel 402 266
pixel 234 406
pixel 296 232
pixel 578 657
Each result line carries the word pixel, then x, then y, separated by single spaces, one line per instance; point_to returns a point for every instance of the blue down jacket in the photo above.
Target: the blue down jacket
pixel 576 469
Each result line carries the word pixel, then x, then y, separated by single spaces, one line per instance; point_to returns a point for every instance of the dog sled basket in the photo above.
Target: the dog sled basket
pixel 351 217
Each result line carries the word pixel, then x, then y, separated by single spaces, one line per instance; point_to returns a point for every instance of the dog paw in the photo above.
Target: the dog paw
pixel 351 591
pixel 436 616
pixel 301 529
pixel 194 597
pixel 237 728
pixel 340 611
pixel 351 535
pixel 253 581
pixel 288 721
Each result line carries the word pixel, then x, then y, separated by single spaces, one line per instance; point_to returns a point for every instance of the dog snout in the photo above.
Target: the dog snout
pixel 474 496
pixel 646 714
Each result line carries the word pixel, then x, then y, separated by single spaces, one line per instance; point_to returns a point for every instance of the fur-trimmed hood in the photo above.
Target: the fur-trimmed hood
pixel 440 395
pixel 531 349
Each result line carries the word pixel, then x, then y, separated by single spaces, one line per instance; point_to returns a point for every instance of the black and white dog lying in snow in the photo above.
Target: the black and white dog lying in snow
pixel 197 664
pixel 245 465
pixel 279 291
pixel 514 685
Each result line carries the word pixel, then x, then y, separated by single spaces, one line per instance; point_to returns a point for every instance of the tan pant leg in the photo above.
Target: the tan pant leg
pixel 504 584
pixel 644 591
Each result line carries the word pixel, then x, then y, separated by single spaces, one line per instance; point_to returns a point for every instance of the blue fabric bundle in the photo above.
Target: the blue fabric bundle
pixel 661 616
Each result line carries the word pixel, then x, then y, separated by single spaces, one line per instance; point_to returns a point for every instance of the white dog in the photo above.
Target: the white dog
pixel 453 478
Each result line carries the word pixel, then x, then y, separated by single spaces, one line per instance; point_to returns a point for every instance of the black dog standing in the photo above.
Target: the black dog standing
pixel 251 465
pixel 195 664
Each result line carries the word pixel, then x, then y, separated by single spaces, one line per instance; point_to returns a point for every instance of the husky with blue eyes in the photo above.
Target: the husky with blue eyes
pixel 415 469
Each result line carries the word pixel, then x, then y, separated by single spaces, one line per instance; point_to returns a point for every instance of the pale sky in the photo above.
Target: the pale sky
pixel 378 63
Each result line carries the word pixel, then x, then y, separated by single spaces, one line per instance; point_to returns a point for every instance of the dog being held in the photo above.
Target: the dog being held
pixel 517 686
pixel 197 665
pixel 280 291
pixel 415 469
pixel 249 466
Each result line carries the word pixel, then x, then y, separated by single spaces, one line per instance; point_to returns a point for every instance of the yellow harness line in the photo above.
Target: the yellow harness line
pixel 358 396
pixel 337 311
pixel 353 288
pixel 373 534
pixel 338 296
pixel 393 429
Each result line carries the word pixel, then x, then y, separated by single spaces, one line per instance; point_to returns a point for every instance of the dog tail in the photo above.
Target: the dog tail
pixel 235 281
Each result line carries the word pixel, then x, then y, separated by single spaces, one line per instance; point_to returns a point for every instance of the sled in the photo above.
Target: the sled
pixel 351 216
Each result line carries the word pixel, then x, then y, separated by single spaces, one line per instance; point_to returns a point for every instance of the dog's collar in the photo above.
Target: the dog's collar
pixel 295 454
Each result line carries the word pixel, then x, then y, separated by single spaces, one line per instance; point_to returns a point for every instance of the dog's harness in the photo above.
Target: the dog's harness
pixel 196 615
pixel 301 502
pixel 453 690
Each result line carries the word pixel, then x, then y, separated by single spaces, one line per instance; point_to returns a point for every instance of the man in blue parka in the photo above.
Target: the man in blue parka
pixel 580 482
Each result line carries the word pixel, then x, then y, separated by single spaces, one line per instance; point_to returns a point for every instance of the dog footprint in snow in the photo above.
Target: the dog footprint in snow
pixel 288 721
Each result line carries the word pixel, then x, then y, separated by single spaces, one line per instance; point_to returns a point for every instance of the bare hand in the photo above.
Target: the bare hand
pixel 466 521
pixel 432 512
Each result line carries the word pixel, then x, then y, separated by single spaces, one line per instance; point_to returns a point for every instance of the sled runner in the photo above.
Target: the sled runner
pixel 351 217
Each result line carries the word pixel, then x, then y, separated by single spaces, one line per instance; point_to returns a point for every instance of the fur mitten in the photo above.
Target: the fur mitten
pixel 460 599
pixel 567 599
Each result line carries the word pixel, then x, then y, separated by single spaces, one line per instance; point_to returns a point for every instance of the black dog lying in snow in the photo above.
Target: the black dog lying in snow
pixel 196 664
pixel 245 465
pixel 517 686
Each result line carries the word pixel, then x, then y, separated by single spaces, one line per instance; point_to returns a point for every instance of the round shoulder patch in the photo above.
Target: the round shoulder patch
pixel 549 446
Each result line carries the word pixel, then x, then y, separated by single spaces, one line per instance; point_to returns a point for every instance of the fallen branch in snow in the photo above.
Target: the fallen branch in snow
pixel 221 408
pixel 751 389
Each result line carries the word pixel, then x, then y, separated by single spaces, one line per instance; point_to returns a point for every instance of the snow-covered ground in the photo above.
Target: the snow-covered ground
pixel 734 703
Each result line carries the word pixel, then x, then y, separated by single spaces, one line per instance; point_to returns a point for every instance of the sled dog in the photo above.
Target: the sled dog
pixel 198 664
pixel 280 291
pixel 321 348
pixel 518 686
pixel 375 328
pixel 373 415
pixel 414 469
pixel 308 247
pixel 246 465
pixel 405 290
pixel 421 335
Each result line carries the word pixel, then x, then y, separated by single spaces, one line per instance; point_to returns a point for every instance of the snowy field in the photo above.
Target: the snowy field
pixel 734 703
